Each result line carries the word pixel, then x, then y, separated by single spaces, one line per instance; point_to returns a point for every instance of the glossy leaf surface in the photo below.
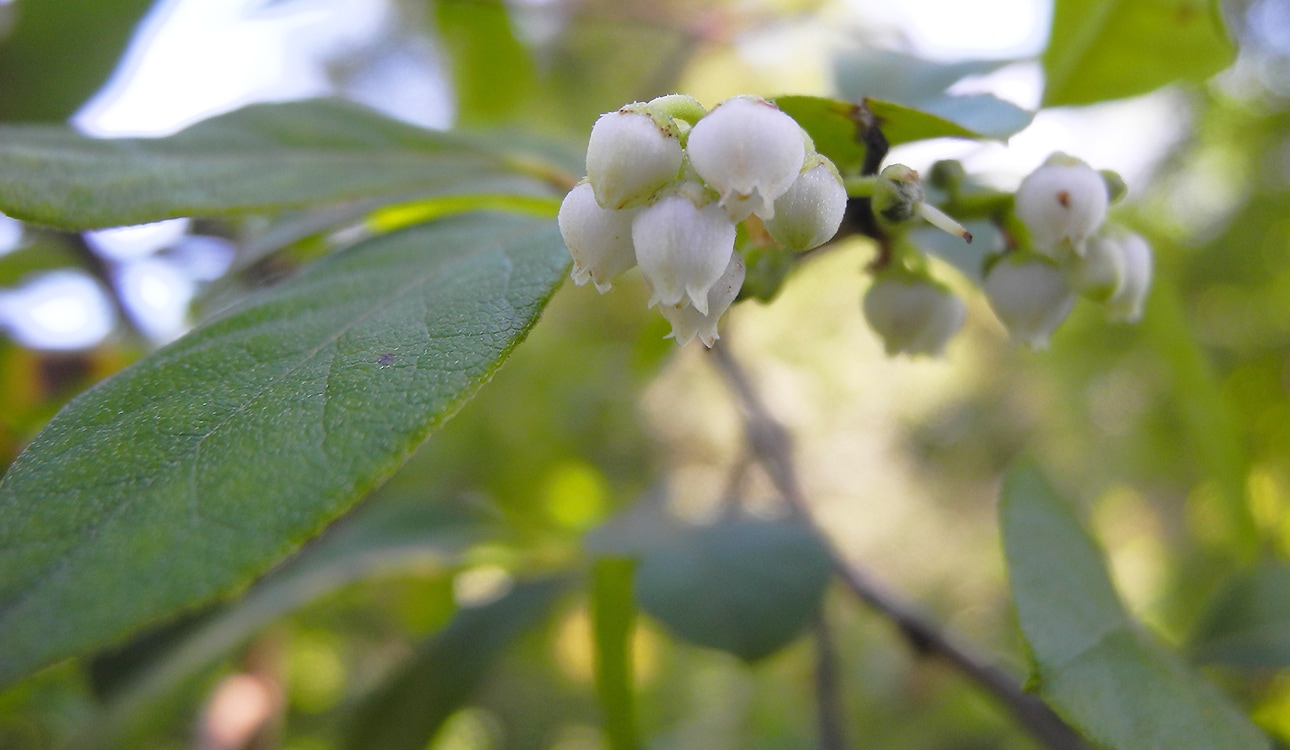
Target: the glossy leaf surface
pixel 191 472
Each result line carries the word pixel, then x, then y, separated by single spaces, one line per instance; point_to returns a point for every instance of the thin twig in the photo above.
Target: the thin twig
pixel 770 442
pixel 828 690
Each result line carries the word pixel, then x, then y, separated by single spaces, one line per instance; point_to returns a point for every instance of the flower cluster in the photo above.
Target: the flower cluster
pixel 1070 253
pixel 667 185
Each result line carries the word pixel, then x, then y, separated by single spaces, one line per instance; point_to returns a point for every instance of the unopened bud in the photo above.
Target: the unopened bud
pixel 912 314
pixel 1062 203
pixel 749 152
pixel 599 239
pixel 897 194
pixel 682 248
pixel 1029 294
pixel 809 213
pixel 687 322
pixel 631 155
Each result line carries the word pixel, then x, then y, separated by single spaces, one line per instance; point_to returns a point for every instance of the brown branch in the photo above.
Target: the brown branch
pixel 770 442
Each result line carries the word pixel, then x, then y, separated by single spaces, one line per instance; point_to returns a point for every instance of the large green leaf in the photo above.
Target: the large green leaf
pixel 407 711
pixel 194 470
pixel 745 587
pixel 259 158
pixel 1091 662
pixel 60 52
pixel 1248 622
pixel 1109 49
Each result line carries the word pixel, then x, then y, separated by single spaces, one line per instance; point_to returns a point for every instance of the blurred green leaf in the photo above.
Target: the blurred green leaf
pixel 492 71
pixel 1248 623
pixel 1207 427
pixel 1109 49
pixel 873 73
pixel 260 158
pixel 413 535
pixel 407 711
pixel 838 127
pixel 613 616
pixel 1091 662
pixel 745 587
pixel 60 52
pixel 970 116
pixel 194 470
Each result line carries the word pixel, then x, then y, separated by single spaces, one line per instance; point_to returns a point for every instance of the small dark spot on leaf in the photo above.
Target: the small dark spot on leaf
pixel 385 359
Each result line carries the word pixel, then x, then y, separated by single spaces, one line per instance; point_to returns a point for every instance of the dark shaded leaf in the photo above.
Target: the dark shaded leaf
pixel 407 711
pixel 1248 622
pixel 60 52
pixel 194 470
pixel 746 587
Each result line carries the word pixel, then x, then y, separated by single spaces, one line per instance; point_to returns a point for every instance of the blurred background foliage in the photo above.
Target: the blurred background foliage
pixel 1172 435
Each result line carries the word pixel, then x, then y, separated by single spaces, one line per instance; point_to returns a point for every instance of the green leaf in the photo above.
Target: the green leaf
pixel 745 587
pixel 407 711
pixel 60 52
pixel 492 71
pixel 873 73
pixel 613 616
pixel 1109 49
pixel 837 127
pixel 1248 623
pixel 194 470
pixel 1091 662
pixel 261 158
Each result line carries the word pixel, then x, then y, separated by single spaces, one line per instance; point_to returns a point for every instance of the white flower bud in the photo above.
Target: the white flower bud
pixel 688 322
pixel 750 152
pixel 630 155
pixel 1099 272
pixel 1062 203
pixel 912 314
pixel 1126 303
pixel 1030 296
pixel 599 239
pixel 683 249
pixel 809 213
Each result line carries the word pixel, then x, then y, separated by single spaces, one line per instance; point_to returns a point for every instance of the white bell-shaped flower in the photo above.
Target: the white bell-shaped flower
pixel 912 314
pixel 687 322
pixel 1062 203
pixel 682 248
pixel 1030 295
pixel 599 239
pixel 809 213
pixel 750 152
pixel 1126 304
pixel 630 155
pixel 1098 273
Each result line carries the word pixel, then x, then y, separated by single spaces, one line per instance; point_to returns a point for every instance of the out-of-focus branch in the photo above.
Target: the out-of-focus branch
pixel 828 690
pixel 770 442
